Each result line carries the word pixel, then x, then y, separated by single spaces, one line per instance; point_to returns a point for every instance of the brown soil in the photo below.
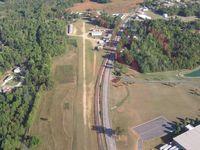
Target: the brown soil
pixel 115 6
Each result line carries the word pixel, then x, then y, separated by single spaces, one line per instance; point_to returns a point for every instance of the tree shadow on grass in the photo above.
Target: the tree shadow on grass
pixel 103 130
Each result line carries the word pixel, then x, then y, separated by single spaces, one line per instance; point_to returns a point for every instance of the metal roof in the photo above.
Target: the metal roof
pixel 190 139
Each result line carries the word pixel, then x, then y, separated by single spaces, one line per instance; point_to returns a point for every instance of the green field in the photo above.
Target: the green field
pixel 64 73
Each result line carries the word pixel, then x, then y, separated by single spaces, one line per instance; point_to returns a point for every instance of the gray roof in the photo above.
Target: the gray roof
pixel 190 139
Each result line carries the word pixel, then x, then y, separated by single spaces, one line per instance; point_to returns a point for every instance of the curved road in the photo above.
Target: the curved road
pixel 110 141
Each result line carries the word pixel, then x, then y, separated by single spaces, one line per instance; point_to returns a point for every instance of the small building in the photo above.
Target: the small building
pixel 189 140
pixel 70 29
pixel 165 15
pixel 144 17
pixel 17 70
pixel 96 34
pixel 7 79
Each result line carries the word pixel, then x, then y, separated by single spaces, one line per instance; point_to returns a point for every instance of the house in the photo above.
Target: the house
pixel 190 139
pixel 17 70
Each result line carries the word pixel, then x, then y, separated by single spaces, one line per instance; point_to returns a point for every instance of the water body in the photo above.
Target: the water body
pixel 195 73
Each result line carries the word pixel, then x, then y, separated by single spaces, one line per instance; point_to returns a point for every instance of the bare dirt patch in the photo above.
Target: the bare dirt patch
pixel 113 7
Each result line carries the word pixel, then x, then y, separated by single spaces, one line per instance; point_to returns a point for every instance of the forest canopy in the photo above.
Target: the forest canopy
pixel 31 33
pixel 160 45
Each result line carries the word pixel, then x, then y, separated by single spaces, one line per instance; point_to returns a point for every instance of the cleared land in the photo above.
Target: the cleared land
pixel 116 6
pixel 54 123
pixel 60 122
pixel 147 101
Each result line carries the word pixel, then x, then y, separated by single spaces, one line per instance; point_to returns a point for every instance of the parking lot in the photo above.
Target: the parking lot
pixel 157 127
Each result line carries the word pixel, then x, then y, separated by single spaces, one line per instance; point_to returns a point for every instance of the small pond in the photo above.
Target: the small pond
pixel 195 73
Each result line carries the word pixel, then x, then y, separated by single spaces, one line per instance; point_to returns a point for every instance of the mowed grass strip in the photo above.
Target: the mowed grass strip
pixel 64 74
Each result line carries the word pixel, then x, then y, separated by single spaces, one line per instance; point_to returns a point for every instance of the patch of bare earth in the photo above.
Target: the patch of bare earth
pixel 115 6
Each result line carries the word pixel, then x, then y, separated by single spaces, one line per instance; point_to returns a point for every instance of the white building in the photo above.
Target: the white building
pixel 142 16
pixel 96 33
pixel 189 140
pixel 17 70
pixel 165 15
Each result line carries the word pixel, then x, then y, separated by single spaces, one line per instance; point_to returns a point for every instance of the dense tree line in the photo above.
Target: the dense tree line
pixel 160 45
pixel 31 33
pixel 108 21
pixel 180 127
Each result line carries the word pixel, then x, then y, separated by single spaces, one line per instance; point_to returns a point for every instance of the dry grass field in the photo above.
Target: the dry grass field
pixel 54 123
pixel 149 100
pixel 59 122
pixel 115 6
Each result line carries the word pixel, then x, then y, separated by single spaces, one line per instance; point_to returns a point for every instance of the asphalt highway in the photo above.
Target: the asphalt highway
pixel 108 131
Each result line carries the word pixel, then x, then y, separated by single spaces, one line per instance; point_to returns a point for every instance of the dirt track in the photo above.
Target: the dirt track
pixel 84 78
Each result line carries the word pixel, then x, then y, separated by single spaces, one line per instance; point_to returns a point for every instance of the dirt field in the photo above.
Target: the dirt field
pixel 116 6
pixel 149 100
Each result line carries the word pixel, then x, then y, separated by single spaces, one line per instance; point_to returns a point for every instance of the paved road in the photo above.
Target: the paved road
pixel 110 141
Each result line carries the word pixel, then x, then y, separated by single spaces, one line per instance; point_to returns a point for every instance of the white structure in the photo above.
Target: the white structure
pixel 174 148
pixel 96 33
pixel 190 140
pixel 165 15
pixel 189 127
pixel 168 147
pixel 17 70
pixel 145 8
pixel 163 147
pixel 7 79
pixel 142 16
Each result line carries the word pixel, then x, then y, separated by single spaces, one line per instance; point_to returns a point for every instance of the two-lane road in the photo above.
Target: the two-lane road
pixel 110 141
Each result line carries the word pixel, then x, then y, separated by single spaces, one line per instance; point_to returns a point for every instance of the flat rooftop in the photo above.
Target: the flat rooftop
pixel 190 139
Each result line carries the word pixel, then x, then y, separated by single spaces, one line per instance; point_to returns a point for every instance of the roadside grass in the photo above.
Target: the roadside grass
pixel 149 100
pixel 64 74
pixel 122 101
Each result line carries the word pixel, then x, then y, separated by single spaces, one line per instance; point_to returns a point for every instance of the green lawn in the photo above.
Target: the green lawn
pixel 64 73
